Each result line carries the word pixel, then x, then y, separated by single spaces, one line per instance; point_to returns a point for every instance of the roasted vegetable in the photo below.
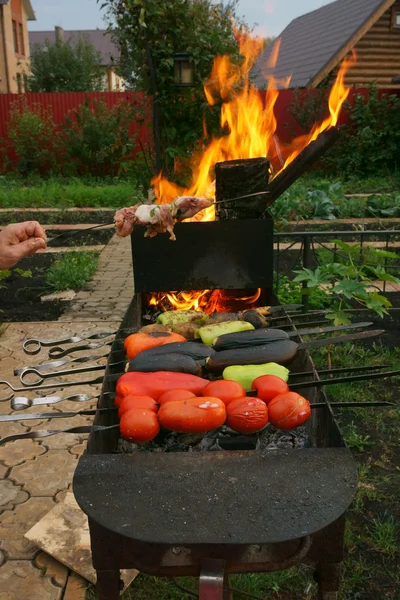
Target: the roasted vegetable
pixel 138 342
pixel 177 317
pixel 194 415
pixel 224 390
pixel 187 330
pixel 246 339
pixel 144 402
pixel 282 353
pixel 139 426
pixel 289 411
pixel 195 350
pixel 178 363
pixel 155 384
pixel 208 333
pixel 269 387
pixel 245 375
pixel 155 329
pixel 253 316
pixel 174 396
pixel 247 415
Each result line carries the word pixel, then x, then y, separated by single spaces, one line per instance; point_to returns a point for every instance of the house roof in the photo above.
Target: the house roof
pixel 99 38
pixel 29 10
pixel 313 45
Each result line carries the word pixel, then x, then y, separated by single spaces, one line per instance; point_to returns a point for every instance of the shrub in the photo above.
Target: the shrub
pixel 95 139
pixel 32 132
pixel 370 143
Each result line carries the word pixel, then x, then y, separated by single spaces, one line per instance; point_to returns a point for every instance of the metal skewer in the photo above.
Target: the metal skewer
pixel 21 403
pixel 51 386
pixel 34 435
pixel 59 363
pixel 70 415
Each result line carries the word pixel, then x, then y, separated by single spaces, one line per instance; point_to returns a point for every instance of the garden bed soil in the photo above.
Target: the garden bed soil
pixel 20 297
pixel 99 237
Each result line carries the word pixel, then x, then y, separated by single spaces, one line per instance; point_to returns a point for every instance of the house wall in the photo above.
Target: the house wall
pixel 378 54
pixel 112 82
pixel 17 62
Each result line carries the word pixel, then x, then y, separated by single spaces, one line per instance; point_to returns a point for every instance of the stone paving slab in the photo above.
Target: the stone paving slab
pixel 35 475
pixel 108 294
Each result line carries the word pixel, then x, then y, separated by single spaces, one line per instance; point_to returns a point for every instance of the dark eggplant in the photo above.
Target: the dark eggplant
pixel 195 350
pixel 177 363
pixel 255 318
pixel 244 339
pixel 281 352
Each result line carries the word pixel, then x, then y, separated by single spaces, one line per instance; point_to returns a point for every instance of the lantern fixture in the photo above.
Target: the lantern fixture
pixel 183 70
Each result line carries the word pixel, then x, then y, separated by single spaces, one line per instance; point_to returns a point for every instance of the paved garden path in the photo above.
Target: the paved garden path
pixel 36 474
pixel 109 293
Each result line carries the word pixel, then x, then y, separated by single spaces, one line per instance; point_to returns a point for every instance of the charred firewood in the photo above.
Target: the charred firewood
pixel 241 177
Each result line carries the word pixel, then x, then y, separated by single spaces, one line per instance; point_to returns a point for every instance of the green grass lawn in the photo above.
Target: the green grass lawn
pixel 114 193
pixel 55 193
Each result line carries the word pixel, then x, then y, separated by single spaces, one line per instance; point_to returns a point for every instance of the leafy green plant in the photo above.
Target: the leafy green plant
pixel 370 143
pixel 96 139
pixel 356 440
pixel 31 137
pixel 72 271
pixel 5 273
pixel 351 282
pixel 383 533
pixel 291 292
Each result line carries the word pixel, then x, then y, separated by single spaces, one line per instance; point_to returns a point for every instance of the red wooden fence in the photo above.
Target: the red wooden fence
pixel 61 103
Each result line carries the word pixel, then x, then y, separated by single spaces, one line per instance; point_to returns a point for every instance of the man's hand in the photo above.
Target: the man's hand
pixel 20 240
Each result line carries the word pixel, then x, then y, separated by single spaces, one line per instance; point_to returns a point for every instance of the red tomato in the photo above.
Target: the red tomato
pixel 269 386
pixel 247 415
pixel 289 411
pixel 139 425
pixel 174 395
pixel 225 390
pixel 194 415
pixel 129 402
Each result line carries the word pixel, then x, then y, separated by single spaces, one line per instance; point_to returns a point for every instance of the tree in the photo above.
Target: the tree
pixel 149 33
pixel 72 66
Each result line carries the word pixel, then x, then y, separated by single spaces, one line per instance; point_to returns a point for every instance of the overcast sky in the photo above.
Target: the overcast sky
pixel 272 16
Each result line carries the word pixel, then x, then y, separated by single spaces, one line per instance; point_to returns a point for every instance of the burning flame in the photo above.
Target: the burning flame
pixel 208 301
pixel 250 125
pixel 337 98
pixel 248 120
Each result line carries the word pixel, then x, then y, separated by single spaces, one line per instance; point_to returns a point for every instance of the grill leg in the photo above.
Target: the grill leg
pixel 214 583
pixel 108 585
pixel 328 577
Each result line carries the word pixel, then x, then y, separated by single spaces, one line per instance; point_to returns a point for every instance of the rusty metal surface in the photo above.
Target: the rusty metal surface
pixel 204 499
pixel 232 254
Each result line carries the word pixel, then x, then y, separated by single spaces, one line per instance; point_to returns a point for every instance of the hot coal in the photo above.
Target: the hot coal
pixel 219 440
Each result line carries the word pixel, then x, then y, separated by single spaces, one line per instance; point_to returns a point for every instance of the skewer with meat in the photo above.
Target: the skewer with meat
pixel 159 218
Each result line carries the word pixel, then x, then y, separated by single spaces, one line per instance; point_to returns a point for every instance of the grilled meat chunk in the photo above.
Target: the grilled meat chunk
pixel 158 218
